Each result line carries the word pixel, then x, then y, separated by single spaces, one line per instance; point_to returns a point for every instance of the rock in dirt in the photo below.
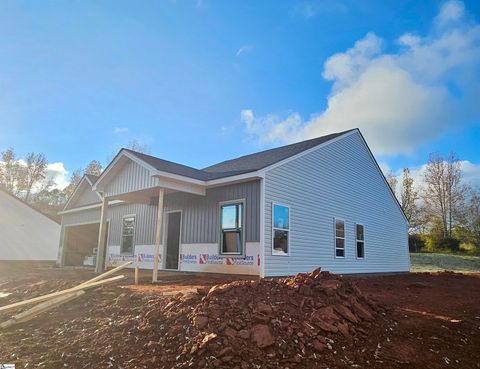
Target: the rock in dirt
pixel 262 336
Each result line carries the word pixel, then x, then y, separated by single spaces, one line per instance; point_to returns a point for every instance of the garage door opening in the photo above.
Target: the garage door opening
pixel 80 244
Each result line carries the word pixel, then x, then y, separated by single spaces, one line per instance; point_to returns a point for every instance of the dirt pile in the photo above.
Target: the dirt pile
pixel 267 322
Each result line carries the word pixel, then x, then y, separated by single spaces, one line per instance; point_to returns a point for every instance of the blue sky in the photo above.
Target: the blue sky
pixel 204 81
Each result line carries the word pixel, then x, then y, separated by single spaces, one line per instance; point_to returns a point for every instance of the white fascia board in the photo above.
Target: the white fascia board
pixel 183 186
pixel 382 175
pixel 261 172
pixel 235 179
pixel 88 207
pixel 306 152
pixel 178 177
pixel 121 154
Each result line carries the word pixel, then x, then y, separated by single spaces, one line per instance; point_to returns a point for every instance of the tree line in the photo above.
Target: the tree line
pixel 28 178
pixel 442 210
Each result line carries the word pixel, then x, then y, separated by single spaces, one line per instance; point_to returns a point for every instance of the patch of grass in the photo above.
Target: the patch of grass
pixel 434 262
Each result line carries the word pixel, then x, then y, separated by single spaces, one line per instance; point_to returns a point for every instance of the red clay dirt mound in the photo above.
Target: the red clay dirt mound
pixel 269 323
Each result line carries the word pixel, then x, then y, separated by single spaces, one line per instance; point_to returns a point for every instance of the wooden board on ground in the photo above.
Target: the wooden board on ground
pixel 60 293
pixel 31 313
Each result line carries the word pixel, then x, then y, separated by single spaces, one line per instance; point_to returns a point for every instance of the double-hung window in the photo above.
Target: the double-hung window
pixel 360 236
pixel 281 229
pixel 128 232
pixel 232 228
pixel 339 238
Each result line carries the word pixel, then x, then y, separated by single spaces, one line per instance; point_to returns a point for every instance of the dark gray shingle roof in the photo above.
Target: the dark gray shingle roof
pixel 243 164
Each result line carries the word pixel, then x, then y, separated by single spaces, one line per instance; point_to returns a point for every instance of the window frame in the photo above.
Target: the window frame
pixel 335 238
pixel 220 229
pixel 357 240
pixel 289 229
pixel 122 252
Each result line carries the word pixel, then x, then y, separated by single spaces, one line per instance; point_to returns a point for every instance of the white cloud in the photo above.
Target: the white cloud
pixel 428 88
pixel 244 49
pixel 312 8
pixel 470 173
pixel 58 174
pixel 450 11
pixel 271 128
pixel 119 130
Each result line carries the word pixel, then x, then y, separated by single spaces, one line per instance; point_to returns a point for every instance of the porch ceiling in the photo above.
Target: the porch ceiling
pixel 145 196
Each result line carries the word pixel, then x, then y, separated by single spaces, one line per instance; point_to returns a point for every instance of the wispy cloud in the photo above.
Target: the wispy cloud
pixel 312 8
pixel 429 87
pixel 120 130
pixel 244 49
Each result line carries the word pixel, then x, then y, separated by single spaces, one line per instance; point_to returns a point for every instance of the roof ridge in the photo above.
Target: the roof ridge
pixel 157 158
pixel 280 147
pixel 244 164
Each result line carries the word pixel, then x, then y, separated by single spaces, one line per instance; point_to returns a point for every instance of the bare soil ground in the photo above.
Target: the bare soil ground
pixel 425 320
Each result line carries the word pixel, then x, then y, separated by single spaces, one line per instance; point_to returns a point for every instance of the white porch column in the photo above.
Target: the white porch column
pixel 100 265
pixel 158 234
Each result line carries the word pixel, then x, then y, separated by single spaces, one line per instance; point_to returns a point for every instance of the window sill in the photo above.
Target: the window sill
pixel 235 256
pixel 279 254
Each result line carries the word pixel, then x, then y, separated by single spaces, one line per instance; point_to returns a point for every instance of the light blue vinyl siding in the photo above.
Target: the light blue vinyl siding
pixel 338 180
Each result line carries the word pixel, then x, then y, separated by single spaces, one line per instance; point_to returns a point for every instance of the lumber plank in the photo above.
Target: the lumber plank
pixel 31 313
pixel 60 293
pixel 106 274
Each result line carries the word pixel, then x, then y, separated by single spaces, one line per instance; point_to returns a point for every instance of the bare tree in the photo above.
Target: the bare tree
pixel 137 146
pixel 32 173
pixel 94 167
pixel 392 181
pixel 444 192
pixel 472 216
pixel 74 181
pixel 408 198
pixel 10 171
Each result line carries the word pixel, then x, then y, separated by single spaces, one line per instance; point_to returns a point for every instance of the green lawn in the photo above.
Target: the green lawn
pixel 432 262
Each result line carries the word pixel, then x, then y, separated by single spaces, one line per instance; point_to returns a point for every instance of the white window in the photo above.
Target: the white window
pixel 360 236
pixel 339 238
pixel 128 232
pixel 232 228
pixel 281 229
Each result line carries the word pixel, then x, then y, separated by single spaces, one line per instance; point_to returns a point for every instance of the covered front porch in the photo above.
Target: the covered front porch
pixel 162 221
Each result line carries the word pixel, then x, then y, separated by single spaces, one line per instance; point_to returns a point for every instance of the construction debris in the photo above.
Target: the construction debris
pixel 52 300
pixel 29 314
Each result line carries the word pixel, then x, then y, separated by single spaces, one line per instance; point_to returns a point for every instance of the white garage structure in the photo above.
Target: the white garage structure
pixel 25 233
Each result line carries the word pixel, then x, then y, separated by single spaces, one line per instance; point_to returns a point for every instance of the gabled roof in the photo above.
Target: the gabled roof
pixel 92 178
pixel 263 159
pixel 87 178
pixel 241 165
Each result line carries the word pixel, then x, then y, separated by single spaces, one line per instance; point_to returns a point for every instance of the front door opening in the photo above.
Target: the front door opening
pixel 173 239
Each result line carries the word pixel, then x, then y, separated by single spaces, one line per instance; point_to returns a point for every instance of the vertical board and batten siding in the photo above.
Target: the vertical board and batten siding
pixel 132 177
pixel 338 180
pixel 200 214
pixel 81 217
pixel 145 220
pixel 87 197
